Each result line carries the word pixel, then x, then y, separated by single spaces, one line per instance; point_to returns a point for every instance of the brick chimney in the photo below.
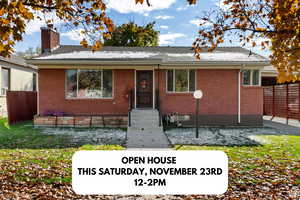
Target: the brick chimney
pixel 49 38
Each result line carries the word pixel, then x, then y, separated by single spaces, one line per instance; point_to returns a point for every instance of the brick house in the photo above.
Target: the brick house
pixel 84 86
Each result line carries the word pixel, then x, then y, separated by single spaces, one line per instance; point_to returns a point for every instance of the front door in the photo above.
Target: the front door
pixel 144 89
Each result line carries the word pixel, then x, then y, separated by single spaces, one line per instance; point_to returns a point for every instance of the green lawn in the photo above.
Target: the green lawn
pixel 271 170
pixel 33 162
pixel 37 157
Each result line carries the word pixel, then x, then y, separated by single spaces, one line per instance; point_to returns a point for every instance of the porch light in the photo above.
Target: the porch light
pixel 198 94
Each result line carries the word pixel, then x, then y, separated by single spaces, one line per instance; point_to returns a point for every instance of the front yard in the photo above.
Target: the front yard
pixel 36 165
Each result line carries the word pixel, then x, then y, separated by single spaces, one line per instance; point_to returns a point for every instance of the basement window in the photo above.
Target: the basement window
pixel 181 80
pixel 89 84
pixel 251 77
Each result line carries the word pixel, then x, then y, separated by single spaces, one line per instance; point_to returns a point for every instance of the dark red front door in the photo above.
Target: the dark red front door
pixel 144 89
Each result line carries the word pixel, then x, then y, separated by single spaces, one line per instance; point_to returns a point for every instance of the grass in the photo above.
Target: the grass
pixel 280 147
pixel 37 157
pixel 277 161
pixel 27 155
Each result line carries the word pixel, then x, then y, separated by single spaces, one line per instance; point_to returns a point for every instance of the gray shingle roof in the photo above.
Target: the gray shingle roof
pixel 18 61
pixel 163 54
pixel 161 49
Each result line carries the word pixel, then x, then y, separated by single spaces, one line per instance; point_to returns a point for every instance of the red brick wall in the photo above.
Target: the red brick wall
pixel 220 94
pixel 251 100
pixel 52 94
pixel 219 88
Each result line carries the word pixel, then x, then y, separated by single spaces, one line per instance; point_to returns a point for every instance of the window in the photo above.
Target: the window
pixel 181 80
pixel 5 80
pixel 89 83
pixel 250 77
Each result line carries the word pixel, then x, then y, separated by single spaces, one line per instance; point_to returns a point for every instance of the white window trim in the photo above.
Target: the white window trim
pixel 88 98
pixel 9 80
pixel 251 78
pixel 185 92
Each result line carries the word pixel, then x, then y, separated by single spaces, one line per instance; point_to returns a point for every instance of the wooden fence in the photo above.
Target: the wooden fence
pixel 282 101
pixel 21 106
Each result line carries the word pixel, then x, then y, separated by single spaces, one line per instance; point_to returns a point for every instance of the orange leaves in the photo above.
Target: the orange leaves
pixel 139 1
pixel 265 24
pixel 192 1
pixel 77 14
pixel 84 43
pixel 2 11
pixel 286 44
pixel 97 45
pixel 260 29
pixel 142 1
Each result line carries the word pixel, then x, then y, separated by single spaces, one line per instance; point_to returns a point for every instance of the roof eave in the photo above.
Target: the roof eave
pixel 220 63
pixel 27 66
pixel 92 62
pixel 143 62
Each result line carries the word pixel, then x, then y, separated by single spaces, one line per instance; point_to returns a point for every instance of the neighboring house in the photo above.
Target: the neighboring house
pixel 16 75
pixel 75 81
pixel 269 76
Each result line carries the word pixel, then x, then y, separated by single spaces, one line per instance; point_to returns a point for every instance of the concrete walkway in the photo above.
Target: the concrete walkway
pixel 145 131
pixel 280 125
pixel 281 120
pixel 146 138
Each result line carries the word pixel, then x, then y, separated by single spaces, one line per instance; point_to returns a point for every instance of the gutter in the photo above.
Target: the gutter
pixel 218 63
pixel 163 65
pixel 92 62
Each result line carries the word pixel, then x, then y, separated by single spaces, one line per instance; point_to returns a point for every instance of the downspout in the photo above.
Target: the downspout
pixel 37 83
pixel 158 72
pixel 239 96
pixel 158 95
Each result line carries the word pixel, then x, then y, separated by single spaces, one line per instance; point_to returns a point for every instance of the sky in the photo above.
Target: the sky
pixel 175 19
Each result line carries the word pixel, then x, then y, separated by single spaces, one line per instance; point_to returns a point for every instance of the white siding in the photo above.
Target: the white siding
pixel 21 80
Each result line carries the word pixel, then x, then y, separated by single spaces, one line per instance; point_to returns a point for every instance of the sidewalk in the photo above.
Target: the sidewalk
pixel 278 123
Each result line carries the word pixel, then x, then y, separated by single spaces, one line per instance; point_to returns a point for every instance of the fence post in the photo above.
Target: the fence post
pixel 287 103
pixel 299 101
pixel 273 102
pixel 264 109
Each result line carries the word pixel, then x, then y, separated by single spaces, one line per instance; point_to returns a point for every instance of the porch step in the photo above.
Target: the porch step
pixel 144 118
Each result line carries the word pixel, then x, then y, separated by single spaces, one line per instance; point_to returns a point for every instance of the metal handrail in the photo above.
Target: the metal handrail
pixel 130 106
pixel 158 106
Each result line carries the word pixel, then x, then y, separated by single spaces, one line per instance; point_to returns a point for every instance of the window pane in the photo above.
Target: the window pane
pixel 246 77
pixel 107 83
pixel 5 78
pixel 89 84
pixel 255 77
pixel 170 81
pixel 192 81
pixel 71 83
pixel 4 81
pixel 181 80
